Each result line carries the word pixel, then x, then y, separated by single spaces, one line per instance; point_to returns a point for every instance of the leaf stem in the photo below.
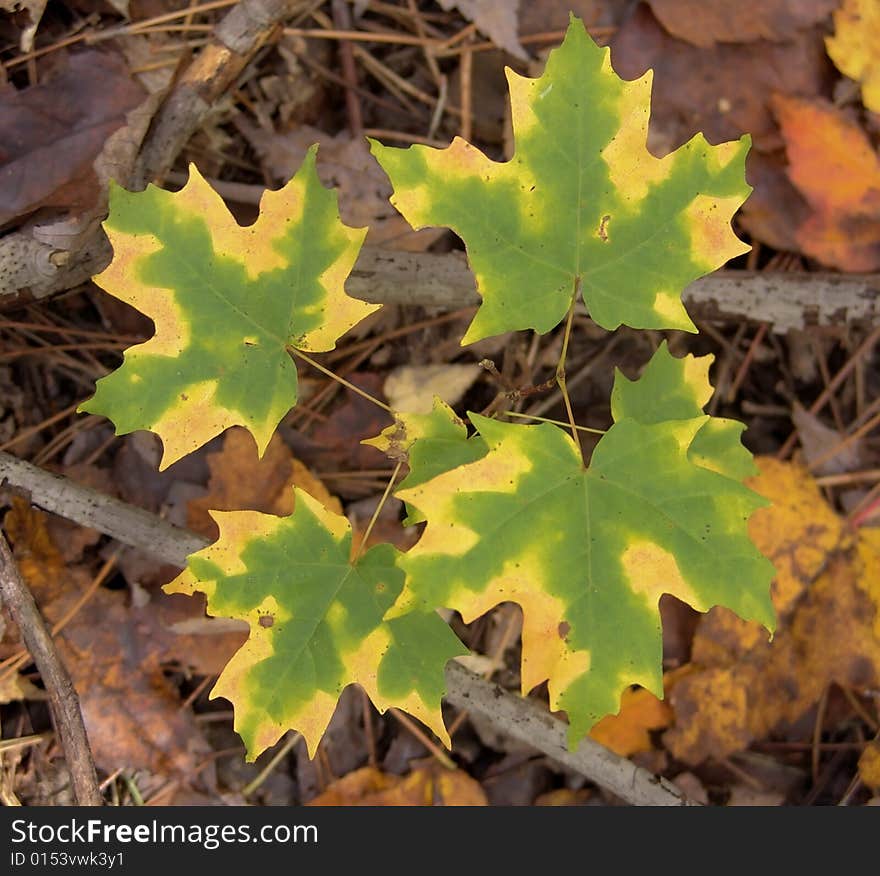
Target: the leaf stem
pixel 546 420
pixel 560 368
pixel 319 367
pixel 362 546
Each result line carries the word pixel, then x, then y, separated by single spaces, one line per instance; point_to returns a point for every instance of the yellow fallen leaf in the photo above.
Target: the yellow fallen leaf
pixel 869 765
pixel 431 785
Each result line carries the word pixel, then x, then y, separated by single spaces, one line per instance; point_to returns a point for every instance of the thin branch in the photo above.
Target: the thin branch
pixel 126 523
pixel 515 716
pixel 526 721
pixel 63 701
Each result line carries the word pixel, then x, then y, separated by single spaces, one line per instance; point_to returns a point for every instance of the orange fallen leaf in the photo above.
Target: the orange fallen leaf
pixel 114 654
pixel 834 166
pixel 431 785
pixel 629 731
pixel 563 797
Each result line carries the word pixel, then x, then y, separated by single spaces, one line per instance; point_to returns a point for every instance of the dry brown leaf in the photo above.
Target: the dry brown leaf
pixel 345 164
pixel 722 91
pixel 827 593
pixel 540 16
pixel 53 132
pixel 629 731
pixel 431 785
pixel 114 654
pixel 39 560
pixel 497 19
pixel 834 166
pixel 775 209
pixel 706 22
pixel 131 710
pixel 855 46
pixel 240 481
pixel 334 443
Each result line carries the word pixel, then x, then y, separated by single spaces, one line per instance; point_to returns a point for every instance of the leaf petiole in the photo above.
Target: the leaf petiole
pixel 348 385
pixel 560 368
pixel 391 481
pixel 554 422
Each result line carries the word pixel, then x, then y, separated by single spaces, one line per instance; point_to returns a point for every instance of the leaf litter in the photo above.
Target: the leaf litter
pixel 721 695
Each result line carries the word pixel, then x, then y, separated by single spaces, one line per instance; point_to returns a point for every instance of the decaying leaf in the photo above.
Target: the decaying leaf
pixel 581 205
pixel 587 553
pixel 723 90
pixel 114 653
pixel 428 786
pixel 346 165
pixel 228 302
pixel 52 133
pixel 316 624
pixel 130 707
pixel 243 481
pixel 39 560
pixel 834 166
pixel 855 47
pixel 705 22
pixel 816 440
pixel 826 593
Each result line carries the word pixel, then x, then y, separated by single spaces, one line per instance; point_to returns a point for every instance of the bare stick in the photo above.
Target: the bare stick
pixel 63 700
pixel 130 525
pixel 526 721
pixel 511 714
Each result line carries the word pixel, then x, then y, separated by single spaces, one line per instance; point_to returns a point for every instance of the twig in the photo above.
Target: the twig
pixel 524 720
pixel 30 268
pixel 130 525
pixel 515 716
pixel 63 701
pixel 342 19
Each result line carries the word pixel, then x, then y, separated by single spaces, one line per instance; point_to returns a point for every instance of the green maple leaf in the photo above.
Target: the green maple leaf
pixel 316 624
pixel 581 203
pixel 677 389
pixel 587 552
pixel 228 303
